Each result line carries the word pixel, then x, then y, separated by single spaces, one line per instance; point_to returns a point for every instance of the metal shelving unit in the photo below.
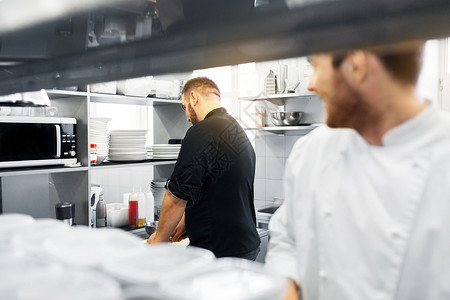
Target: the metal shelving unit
pixel 53 184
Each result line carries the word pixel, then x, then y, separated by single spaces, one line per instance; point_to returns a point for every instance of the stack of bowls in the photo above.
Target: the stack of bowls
pixel 127 145
pixel 287 118
pixel 98 134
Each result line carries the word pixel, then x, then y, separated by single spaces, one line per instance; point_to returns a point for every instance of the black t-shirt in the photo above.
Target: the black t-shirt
pixel 214 173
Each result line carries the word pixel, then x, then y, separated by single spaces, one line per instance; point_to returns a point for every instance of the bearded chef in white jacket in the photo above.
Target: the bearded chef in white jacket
pixel 367 197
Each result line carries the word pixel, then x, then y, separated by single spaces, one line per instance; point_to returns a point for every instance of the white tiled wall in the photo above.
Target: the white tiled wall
pixel 272 152
pixel 116 182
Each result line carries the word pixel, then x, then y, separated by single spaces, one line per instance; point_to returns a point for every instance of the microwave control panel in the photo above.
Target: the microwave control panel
pixel 68 141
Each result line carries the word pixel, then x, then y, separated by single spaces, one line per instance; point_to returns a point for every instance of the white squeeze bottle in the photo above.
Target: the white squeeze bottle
pixel 141 209
pixel 149 206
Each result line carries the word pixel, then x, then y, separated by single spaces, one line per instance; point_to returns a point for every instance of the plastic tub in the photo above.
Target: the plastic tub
pixel 117 214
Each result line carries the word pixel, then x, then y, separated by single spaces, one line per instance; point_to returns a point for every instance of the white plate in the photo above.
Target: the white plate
pixel 84 247
pixel 166 149
pixel 127 138
pixel 129 141
pixel 126 145
pixel 127 157
pixel 155 156
pixel 166 146
pixel 166 152
pixel 112 152
pixel 161 262
pixel 128 132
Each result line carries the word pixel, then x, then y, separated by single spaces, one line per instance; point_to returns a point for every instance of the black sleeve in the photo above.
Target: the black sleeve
pixel 186 181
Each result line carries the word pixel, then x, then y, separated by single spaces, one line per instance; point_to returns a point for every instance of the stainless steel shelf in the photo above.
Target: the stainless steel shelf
pixel 40 170
pixel 65 94
pixel 276 96
pixel 111 98
pixel 277 129
pixel 123 99
pixel 116 165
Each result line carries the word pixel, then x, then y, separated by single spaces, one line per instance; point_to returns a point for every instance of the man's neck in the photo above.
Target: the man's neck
pixel 389 114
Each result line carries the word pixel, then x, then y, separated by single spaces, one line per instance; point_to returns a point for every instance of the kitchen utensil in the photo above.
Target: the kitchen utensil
pixel 101 212
pixel 65 211
pixel 287 118
pixel 291 89
pixel 150 227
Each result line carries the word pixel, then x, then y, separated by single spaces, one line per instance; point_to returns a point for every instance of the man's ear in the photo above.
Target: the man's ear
pixel 193 98
pixel 355 66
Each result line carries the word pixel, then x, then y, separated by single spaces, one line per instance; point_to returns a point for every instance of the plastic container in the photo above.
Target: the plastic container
pixel 109 87
pixel 140 87
pixel 167 89
pixel 117 214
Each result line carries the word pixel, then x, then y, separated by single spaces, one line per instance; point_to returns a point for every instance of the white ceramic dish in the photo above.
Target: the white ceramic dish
pixel 161 262
pixel 127 157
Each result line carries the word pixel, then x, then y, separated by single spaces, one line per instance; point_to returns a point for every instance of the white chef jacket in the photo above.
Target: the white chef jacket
pixel 367 222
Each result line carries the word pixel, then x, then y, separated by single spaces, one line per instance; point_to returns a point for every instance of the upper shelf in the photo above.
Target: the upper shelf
pixel 64 169
pixel 122 99
pixel 112 98
pixel 40 170
pixel 278 129
pixel 149 162
pixel 267 34
pixel 276 96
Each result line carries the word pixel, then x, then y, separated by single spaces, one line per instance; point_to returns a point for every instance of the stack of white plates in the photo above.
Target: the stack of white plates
pixel 157 186
pixel 127 145
pixel 98 134
pixel 165 151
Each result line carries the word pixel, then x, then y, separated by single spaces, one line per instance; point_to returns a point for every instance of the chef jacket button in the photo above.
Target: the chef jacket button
pixel 323 275
pixel 396 233
pixel 327 213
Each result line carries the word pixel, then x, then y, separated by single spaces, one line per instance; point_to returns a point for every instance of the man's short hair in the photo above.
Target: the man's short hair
pixel 405 67
pixel 204 84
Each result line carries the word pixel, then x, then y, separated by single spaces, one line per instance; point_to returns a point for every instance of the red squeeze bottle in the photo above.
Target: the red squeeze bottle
pixel 133 213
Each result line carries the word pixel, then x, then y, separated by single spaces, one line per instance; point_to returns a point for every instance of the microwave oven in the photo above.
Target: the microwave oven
pixel 37 141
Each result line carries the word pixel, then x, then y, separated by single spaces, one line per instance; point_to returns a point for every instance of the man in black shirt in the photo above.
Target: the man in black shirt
pixel 210 193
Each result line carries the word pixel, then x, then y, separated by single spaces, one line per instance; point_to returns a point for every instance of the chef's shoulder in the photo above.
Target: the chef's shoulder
pixel 322 142
pixel 197 136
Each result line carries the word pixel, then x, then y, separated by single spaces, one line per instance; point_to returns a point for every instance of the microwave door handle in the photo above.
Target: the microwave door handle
pixel 58 141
